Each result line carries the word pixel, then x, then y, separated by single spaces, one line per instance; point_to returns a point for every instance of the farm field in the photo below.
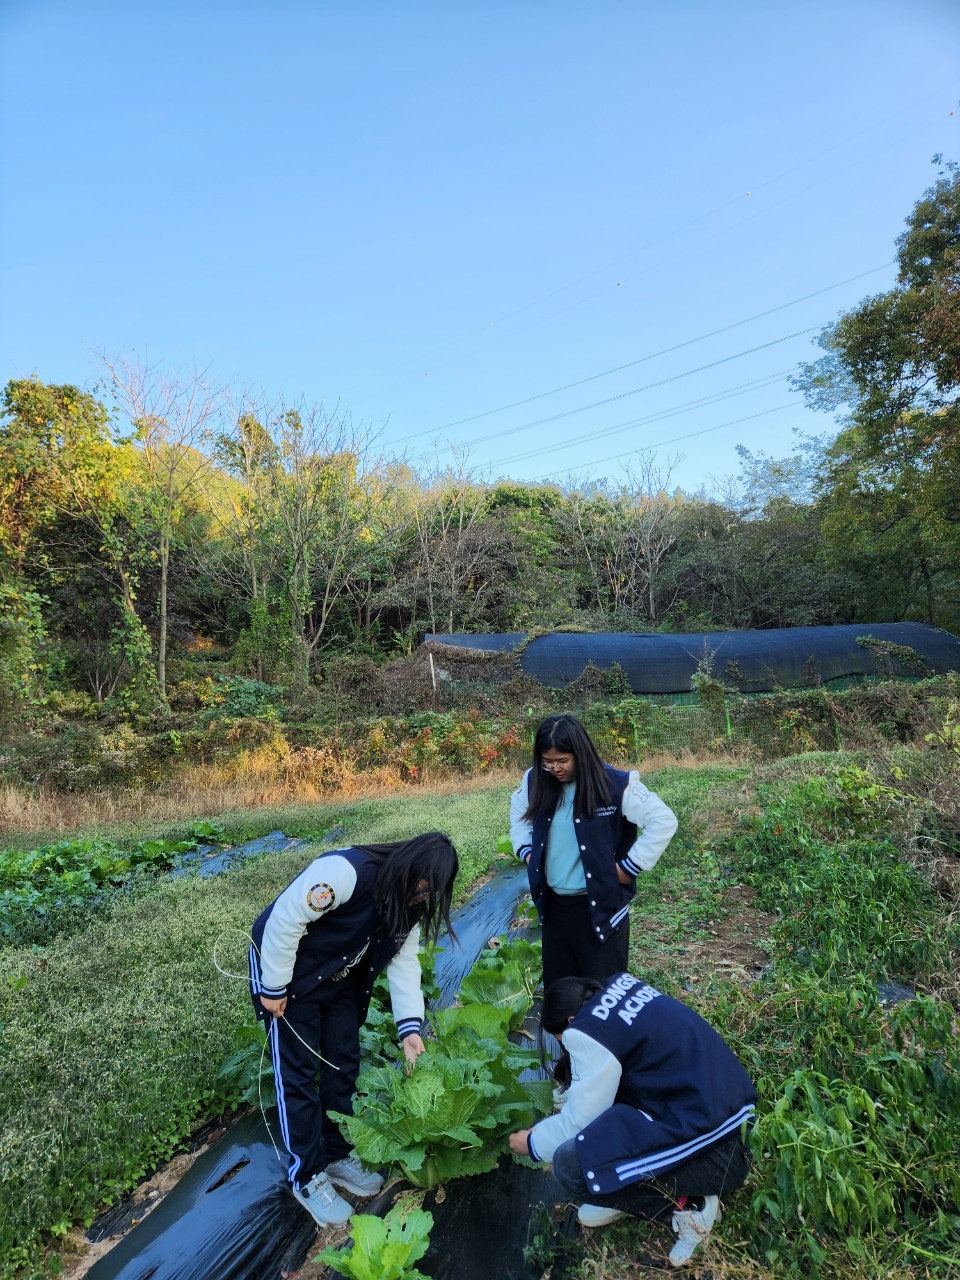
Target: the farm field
pixel 806 908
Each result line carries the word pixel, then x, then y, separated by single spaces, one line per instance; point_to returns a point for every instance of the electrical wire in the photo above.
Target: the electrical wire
pixel 676 230
pixel 597 404
pixel 674 411
pixel 661 444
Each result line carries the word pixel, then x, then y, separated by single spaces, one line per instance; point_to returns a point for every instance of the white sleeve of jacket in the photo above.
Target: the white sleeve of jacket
pixel 595 1078
pixel 406 994
pixel 326 884
pixel 656 825
pixel 521 830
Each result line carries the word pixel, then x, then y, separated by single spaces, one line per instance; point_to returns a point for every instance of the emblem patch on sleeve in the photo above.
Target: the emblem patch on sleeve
pixel 320 898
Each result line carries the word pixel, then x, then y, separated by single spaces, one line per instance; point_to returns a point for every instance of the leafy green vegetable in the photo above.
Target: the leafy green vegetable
pixel 383 1248
pixel 453 1115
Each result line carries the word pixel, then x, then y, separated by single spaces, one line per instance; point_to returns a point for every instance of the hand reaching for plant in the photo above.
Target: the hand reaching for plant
pixel 413 1046
pixel 520 1142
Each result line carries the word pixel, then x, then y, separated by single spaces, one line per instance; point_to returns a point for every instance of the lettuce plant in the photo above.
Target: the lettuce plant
pixel 453 1115
pixel 383 1248
pixel 506 976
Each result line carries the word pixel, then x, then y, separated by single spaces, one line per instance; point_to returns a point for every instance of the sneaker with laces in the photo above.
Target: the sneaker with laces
pixel 350 1174
pixel 594 1215
pixel 320 1199
pixel 692 1227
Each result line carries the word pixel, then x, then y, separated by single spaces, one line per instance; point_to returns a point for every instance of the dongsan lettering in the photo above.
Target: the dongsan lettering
pixel 613 995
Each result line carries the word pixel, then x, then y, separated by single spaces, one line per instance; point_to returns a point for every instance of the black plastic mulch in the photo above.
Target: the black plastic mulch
pixel 231 1217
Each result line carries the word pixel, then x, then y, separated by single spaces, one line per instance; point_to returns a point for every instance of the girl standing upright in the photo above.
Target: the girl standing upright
pixel 585 831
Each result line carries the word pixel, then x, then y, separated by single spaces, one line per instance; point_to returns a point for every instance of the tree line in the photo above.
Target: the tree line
pixel 160 513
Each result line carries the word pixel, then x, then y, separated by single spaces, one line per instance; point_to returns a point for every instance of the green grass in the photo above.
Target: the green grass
pixel 113 1037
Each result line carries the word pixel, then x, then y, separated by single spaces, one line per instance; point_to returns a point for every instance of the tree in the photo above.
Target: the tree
pixel 303 519
pixel 624 538
pixel 764 479
pixel 452 549
pixel 893 365
pixel 174 419
pixel 61 471
pixel 46 433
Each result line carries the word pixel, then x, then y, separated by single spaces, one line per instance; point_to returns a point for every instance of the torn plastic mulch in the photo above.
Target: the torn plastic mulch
pixel 231 1217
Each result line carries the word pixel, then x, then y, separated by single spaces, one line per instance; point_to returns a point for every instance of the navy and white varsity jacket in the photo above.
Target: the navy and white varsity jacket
pixel 632 831
pixel 322 928
pixel 652 1085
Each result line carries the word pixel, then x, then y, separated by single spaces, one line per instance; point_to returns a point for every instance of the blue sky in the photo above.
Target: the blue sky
pixel 441 217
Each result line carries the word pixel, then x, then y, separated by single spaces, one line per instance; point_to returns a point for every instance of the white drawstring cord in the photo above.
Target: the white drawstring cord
pixel 245 978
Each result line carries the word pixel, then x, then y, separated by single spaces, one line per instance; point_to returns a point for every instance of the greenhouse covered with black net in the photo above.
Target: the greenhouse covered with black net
pixel 748 661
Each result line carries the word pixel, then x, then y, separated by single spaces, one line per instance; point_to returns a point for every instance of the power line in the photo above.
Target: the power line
pixel 605 373
pixel 676 230
pixel 673 412
pixel 623 395
pixel 661 444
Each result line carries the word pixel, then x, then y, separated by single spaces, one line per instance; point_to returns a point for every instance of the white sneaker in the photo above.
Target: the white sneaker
pixel 692 1227
pixel 321 1201
pixel 350 1174
pixel 594 1215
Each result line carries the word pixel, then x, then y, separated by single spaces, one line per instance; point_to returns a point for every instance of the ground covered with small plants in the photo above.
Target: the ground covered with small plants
pixel 807 908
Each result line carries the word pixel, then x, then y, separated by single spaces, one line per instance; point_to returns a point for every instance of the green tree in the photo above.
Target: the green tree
pixel 53 439
pixel 60 467
pixel 892 367
pixel 174 419
pixel 303 521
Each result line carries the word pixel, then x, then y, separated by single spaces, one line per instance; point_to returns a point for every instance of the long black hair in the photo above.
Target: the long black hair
pixel 430 857
pixel 565 733
pixel 562 1001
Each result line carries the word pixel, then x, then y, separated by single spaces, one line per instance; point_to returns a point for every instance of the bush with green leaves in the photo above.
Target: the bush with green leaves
pixel 859 1117
pixel 452 1116
pixel 240 698
pixel 383 1248
pixel 857 1128
pixel 849 901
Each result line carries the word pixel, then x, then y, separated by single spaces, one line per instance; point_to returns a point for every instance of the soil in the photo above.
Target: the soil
pixel 734 944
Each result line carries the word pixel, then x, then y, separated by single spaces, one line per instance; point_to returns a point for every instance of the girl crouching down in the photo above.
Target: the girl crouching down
pixel 656 1115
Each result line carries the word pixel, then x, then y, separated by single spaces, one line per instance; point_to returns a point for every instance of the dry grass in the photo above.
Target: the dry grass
pixel 210 791
pixel 44 812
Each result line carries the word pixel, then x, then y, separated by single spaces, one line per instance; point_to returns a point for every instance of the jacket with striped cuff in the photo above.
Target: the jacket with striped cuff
pixel 324 927
pixel 652 1086
pixel 632 831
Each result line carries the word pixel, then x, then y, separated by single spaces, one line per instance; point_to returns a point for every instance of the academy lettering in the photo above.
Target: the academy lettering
pixel 613 995
pixel 636 1003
